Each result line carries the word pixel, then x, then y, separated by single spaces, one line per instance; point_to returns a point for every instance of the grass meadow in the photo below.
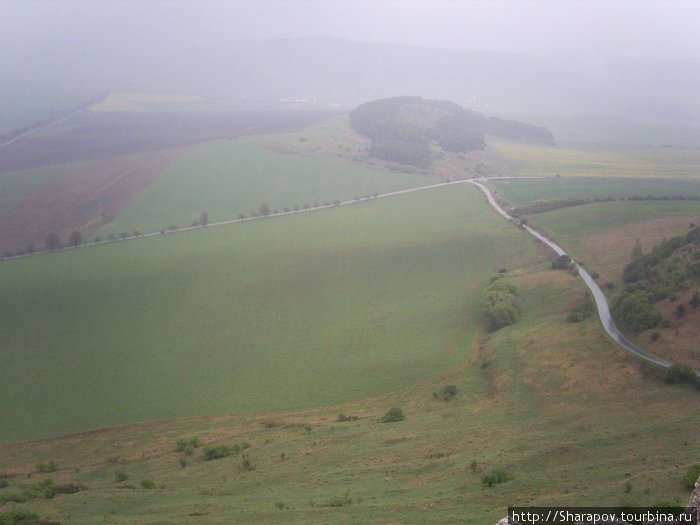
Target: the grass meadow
pixel 573 419
pixel 265 331
pixel 275 314
pixel 227 178
pixel 523 192
pixel 590 218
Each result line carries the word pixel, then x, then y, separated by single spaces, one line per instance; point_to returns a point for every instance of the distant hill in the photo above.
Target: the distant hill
pixel 402 129
pixel 607 99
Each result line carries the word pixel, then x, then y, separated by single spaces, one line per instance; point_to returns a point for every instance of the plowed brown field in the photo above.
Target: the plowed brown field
pixel 84 200
pixel 124 154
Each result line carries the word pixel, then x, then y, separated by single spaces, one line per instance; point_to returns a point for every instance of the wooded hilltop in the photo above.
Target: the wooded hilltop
pixel 407 129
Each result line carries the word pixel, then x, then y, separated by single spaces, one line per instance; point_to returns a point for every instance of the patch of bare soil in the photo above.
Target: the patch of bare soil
pixel 84 200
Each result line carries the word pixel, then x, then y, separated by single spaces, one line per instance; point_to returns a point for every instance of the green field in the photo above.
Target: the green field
pixel 522 192
pixel 598 216
pixel 275 314
pixel 573 419
pixel 227 178
pixel 264 331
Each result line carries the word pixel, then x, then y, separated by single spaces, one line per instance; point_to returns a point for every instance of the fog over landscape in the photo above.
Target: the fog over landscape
pixel 348 261
pixel 625 62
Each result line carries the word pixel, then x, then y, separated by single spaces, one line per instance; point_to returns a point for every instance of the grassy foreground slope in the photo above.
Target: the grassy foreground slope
pixel 274 314
pixel 573 419
pixel 227 178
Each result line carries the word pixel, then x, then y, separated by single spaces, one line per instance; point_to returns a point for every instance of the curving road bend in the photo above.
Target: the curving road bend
pixel 600 300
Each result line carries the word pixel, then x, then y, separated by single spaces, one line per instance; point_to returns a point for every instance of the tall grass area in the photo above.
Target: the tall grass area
pixel 228 178
pixel 549 161
pixel 289 312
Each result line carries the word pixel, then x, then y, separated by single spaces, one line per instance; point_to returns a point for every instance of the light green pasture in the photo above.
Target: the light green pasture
pixel 227 178
pixel 595 217
pixel 522 192
pixel 281 313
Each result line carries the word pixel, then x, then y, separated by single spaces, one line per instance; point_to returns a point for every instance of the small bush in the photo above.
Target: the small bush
pixel 15 516
pixel 46 489
pixel 495 477
pixel 120 476
pixel 148 484
pixel 393 415
pixel 187 445
pixel 217 452
pixel 680 373
pixel 692 475
pixel 447 393
pixel 561 263
pixel 51 466
pixel 221 451
pixel 581 312
pixel 247 465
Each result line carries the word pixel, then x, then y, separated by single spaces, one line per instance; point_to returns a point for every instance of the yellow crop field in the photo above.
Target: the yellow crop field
pixel 141 101
pixel 550 161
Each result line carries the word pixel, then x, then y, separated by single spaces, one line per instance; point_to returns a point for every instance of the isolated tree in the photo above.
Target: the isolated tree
pixel 695 300
pixel 680 310
pixel 500 304
pixel 204 219
pixel 264 209
pixel 637 250
pixel 75 238
pixel 53 242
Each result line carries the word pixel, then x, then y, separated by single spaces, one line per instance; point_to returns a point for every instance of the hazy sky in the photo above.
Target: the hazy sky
pixel 591 27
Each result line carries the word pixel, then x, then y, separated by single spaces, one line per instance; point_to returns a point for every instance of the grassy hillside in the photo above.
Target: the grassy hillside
pixel 276 314
pixel 602 235
pixel 227 178
pixel 280 325
pixel 569 416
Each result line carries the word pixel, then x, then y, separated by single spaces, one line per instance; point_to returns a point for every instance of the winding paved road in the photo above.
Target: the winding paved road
pixel 600 300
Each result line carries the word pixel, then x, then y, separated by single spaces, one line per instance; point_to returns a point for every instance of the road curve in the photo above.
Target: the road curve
pixel 600 300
